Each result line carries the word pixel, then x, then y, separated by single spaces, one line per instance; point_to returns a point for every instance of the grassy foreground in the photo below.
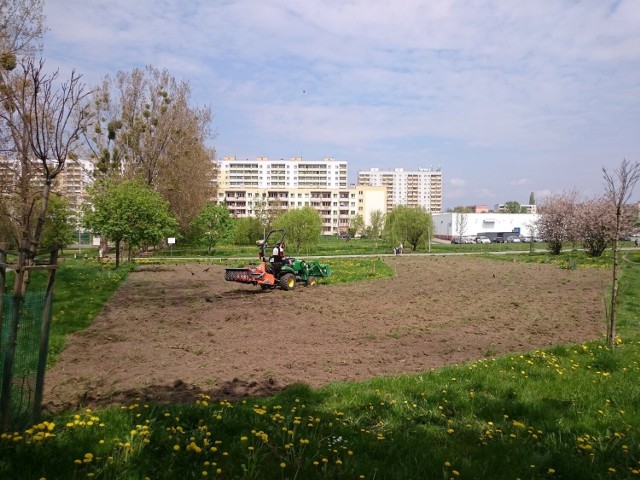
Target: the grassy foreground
pixel 572 411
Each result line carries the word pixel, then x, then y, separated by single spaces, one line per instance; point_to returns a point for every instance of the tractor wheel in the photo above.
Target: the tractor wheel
pixel 312 281
pixel 288 281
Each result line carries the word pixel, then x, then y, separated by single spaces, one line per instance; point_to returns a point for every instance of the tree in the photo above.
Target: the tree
pixel 376 224
pixel 512 207
pixel 147 129
pixel 303 227
pixel 247 231
pixel 356 226
pixel 619 186
pixel 461 225
pixel 461 209
pixel 532 199
pixel 211 225
pixel 128 212
pixel 557 220
pixel 59 224
pixel 407 225
pixel 21 30
pixel 596 225
pixel 42 120
pixel 266 210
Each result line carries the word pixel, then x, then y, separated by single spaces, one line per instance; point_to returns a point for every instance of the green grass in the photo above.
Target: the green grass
pixel 571 412
pixel 330 246
pixel 82 288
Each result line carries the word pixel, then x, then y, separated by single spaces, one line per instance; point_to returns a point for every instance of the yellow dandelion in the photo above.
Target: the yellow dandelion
pixel 283 465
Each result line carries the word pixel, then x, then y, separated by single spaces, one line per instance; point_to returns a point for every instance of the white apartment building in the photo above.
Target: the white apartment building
pixel 244 185
pixel 413 188
pixel 501 208
pixel 293 173
pixel 72 183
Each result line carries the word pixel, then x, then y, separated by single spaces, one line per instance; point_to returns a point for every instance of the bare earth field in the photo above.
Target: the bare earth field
pixel 173 331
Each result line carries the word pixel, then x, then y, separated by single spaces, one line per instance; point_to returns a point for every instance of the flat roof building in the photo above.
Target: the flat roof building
pixel 412 188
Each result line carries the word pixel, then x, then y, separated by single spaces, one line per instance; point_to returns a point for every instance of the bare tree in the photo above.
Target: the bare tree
pixel 21 29
pixel 44 120
pixel 461 225
pixel 619 186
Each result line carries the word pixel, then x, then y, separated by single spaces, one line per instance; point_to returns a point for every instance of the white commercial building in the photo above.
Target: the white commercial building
pixel 451 225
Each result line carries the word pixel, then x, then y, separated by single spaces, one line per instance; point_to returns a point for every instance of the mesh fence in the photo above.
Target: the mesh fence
pixel 25 361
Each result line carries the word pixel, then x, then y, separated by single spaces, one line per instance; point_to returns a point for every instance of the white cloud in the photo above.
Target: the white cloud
pixel 457 182
pixel 529 87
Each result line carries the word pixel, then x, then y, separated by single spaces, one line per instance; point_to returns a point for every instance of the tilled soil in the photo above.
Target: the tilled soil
pixel 173 331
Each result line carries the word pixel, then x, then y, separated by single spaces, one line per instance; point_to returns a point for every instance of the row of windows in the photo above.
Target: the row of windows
pixel 232 194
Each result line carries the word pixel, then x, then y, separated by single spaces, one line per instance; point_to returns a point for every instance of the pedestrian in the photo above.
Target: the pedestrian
pixel 637 242
pixel 400 249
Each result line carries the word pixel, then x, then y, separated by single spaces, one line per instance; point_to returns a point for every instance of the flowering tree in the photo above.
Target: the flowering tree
pixel 596 225
pixel 557 220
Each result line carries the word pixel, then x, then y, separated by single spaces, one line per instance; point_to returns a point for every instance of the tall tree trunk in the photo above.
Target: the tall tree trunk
pixel 613 311
pixel 117 253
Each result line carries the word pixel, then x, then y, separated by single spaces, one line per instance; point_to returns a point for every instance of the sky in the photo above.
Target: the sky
pixel 505 97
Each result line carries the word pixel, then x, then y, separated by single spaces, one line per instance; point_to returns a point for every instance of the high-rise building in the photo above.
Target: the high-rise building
pixel 412 188
pixel 72 183
pixel 247 186
pixel 293 173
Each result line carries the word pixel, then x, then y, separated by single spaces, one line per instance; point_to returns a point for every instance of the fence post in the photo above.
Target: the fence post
pixel 44 334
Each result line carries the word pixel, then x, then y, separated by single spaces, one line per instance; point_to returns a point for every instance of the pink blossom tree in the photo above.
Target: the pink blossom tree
pixel 596 222
pixel 557 221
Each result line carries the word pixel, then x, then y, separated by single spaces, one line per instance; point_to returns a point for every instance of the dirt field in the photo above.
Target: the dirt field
pixel 173 331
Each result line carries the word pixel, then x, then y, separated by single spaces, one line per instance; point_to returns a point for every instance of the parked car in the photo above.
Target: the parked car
pixel 468 240
pixel 455 240
pixel 513 239
pixel 498 240
pixel 482 239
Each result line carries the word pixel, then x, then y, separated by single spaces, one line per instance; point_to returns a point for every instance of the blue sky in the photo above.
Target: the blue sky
pixel 506 97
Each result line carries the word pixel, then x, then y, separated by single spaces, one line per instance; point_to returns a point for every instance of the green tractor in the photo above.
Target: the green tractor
pixel 276 269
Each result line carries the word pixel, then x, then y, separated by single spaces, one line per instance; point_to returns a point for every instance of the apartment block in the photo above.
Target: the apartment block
pixel 293 173
pixel 413 188
pixel 502 208
pixel 246 185
pixel 73 181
